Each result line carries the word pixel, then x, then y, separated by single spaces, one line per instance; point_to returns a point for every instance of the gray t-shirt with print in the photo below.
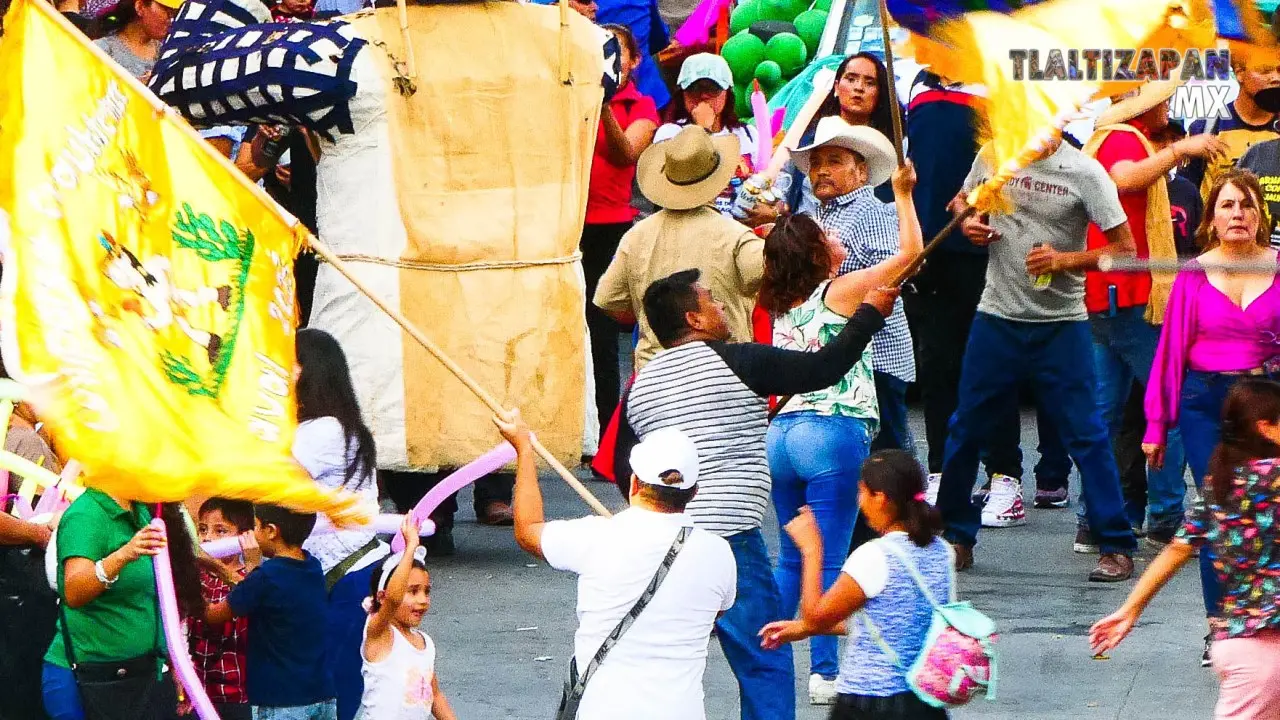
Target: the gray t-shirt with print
pixel 1053 200
pixel 118 51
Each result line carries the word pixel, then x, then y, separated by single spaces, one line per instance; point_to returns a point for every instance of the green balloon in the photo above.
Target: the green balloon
pixel 742 103
pixel 769 73
pixel 809 26
pixel 823 5
pixel 776 10
pixel 744 16
pixel 743 52
pixel 797 7
pixel 789 51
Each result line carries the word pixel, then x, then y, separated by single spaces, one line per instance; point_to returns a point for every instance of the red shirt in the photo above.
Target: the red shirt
pixel 218 653
pixel 609 195
pixel 1131 288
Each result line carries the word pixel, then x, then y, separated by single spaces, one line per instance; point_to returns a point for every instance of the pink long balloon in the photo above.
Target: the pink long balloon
pixel 697 29
pixel 764 127
pixel 179 658
pixel 476 469
pixel 382 524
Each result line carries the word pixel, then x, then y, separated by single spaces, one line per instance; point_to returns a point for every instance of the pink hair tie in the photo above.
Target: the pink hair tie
pixel 919 497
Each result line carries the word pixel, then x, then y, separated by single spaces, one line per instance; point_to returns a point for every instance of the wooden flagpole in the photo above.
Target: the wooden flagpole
pixel 484 396
pixel 895 108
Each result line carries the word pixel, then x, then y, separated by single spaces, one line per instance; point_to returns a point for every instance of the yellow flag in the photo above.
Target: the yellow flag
pixel 148 292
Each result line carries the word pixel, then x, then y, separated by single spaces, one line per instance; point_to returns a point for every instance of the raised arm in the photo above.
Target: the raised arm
pixel 378 639
pixel 773 371
pixel 846 292
pixel 529 519
pixel 625 146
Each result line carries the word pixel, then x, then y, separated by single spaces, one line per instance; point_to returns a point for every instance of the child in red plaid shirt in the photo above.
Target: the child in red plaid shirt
pixel 218 651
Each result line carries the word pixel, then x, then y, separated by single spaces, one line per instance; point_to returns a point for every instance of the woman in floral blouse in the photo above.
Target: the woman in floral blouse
pixel 819 440
pixel 1239 518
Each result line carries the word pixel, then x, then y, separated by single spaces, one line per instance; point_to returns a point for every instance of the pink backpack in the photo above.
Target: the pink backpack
pixel 958 659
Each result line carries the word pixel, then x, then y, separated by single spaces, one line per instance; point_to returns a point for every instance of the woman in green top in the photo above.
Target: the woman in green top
pixel 110 612
pixel 819 440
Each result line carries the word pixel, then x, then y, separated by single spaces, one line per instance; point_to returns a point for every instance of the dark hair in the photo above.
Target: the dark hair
pixel 667 300
pixel 114 20
pixel 325 390
pixel 1247 183
pixel 897 475
pixel 375 606
pixel 880 119
pixel 1250 401
pixel 797 257
pixel 625 37
pixel 182 559
pixel 294 527
pixel 236 512
pixel 666 499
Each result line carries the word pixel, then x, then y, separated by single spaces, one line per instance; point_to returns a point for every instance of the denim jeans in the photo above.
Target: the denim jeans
pixel 1200 420
pixel 1054 466
pixel 895 429
pixel 61 695
pixel 1056 358
pixel 345 618
pixel 327 710
pixel 1124 348
pixel 766 678
pixel 815 460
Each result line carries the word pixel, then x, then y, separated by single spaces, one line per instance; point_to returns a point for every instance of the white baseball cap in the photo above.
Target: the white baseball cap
pixel 662 453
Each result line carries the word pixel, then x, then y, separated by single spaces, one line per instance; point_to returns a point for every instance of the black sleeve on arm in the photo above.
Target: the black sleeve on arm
pixel 772 371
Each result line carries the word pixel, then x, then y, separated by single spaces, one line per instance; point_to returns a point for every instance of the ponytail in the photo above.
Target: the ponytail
pixel 899 476
pixel 1251 401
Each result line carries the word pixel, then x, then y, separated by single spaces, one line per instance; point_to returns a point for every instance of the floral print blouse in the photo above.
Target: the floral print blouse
pixel 1245 539
pixel 808 327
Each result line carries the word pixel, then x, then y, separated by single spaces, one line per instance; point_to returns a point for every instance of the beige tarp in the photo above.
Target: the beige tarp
pixel 492 157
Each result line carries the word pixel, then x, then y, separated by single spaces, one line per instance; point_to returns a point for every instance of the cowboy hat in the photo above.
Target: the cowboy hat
pixel 1136 102
pixel 688 170
pixel 875 149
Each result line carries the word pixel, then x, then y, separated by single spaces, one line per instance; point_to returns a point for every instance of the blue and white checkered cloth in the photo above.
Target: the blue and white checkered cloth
pixel 868 229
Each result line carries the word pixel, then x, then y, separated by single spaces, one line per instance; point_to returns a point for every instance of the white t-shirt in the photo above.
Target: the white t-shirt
pixel 655 670
pixel 320 446
pixel 747 165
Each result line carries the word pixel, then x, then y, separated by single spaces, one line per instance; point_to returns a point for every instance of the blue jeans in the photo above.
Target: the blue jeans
pixel 1054 466
pixel 346 620
pixel 1124 348
pixel 1056 358
pixel 895 430
pixel 815 460
pixel 61 695
pixel 327 710
pixel 1200 420
pixel 766 678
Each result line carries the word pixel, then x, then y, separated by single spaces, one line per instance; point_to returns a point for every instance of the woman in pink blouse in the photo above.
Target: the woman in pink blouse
pixel 1219 328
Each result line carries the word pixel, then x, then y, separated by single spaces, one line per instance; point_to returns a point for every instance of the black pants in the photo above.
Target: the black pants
pixel 903 706
pixel 1128 448
pixel 940 312
pixel 406 488
pixel 599 244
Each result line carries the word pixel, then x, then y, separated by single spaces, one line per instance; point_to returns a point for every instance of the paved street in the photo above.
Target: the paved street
pixel 503 626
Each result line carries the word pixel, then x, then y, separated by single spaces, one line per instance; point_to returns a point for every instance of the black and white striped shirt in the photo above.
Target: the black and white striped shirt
pixel 715 393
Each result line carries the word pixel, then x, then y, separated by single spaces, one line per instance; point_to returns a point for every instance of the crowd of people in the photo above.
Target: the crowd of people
pixel 776 347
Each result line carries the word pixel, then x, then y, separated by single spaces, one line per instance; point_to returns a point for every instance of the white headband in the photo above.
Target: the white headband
pixel 393 560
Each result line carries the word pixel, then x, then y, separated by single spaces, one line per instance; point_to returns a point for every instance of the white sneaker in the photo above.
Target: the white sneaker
pixel 1004 504
pixel 821 691
pixel 932 487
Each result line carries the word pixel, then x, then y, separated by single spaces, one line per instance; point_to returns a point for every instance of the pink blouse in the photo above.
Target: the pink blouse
pixel 1205 331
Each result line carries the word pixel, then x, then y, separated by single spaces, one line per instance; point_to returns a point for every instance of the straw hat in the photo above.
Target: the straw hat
pixel 876 149
pixel 688 170
pixel 1135 102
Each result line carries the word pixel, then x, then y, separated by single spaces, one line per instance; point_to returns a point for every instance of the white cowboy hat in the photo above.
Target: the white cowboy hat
pixel 1136 102
pixel 874 148
pixel 689 170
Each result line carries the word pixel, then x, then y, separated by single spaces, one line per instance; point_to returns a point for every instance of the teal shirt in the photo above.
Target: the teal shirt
pixel 122 622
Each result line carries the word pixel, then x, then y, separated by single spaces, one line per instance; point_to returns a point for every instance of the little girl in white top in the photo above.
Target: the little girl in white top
pixel 400 660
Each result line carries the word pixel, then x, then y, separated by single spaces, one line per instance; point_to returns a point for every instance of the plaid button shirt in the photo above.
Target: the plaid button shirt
pixel 868 230
pixel 218 652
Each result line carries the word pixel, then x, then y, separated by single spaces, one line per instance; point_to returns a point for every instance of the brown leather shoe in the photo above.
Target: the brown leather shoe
pixel 498 513
pixel 1112 567
pixel 964 557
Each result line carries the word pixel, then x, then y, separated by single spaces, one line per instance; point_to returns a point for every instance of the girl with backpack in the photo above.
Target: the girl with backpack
pixel 889 600
pixel 1238 517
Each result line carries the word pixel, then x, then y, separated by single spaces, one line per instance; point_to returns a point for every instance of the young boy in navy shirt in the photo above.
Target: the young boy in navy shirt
pixel 284 600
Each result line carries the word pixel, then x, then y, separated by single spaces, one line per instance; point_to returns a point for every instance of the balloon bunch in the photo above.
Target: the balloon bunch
pixel 772 42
